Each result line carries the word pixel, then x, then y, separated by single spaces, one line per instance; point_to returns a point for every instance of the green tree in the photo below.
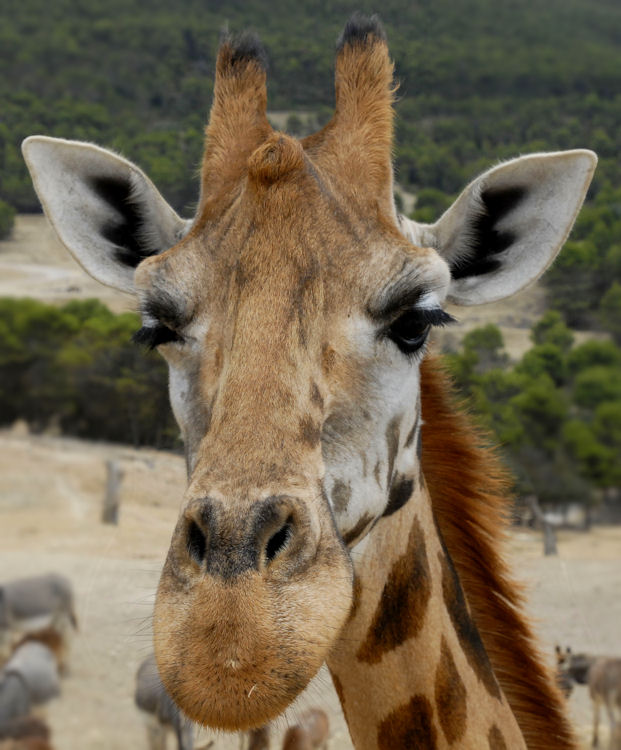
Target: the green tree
pixel 551 329
pixel 7 219
pixel 544 359
pixel 596 385
pixel 610 311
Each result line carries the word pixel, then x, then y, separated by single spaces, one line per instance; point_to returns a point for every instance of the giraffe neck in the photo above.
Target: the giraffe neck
pixel 410 667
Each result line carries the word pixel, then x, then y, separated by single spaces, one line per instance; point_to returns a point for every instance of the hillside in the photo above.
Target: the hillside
pixel 480 79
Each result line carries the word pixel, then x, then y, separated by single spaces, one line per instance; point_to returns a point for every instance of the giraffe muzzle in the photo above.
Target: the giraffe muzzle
pixel 250 601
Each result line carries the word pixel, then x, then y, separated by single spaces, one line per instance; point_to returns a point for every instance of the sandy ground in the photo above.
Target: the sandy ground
pixel 33 263
pixel 51 491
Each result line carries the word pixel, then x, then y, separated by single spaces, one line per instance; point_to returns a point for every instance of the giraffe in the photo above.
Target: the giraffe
pixel 340 507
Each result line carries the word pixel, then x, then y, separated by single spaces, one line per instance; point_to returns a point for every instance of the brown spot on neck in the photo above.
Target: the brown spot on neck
pixel 495 739
pixel 400 492
pixel 409 726
pixel 412 433
pixel 467 632
pixel 450 695
pixel 357 593
pixel 310 433
pixel 315 396
pixel 341 495
pixel 350 536
pixel 400 613
pixel 392 442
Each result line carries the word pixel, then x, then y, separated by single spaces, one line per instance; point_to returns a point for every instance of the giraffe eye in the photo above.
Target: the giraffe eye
pixel 410 330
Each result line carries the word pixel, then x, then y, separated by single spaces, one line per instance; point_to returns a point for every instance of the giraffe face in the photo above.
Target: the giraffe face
pixel 294 378
pixel 293 314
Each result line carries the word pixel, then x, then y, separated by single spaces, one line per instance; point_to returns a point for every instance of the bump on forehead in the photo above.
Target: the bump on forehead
pixel 278 158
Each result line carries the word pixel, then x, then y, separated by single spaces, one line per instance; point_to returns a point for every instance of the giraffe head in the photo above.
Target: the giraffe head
pixel 293 312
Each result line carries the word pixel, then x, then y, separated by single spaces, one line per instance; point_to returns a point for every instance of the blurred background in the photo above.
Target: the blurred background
pixel 91 472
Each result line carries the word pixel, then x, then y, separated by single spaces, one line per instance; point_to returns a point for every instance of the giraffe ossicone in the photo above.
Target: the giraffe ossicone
pixel 338 506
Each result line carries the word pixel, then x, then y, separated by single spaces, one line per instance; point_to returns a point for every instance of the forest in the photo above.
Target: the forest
pixel 479 81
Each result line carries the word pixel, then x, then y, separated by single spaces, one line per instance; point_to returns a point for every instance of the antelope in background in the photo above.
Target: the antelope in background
pixel 603 677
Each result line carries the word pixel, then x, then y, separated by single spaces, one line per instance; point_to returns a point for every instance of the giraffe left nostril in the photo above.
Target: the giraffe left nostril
pixel 196 543
pixel 278 541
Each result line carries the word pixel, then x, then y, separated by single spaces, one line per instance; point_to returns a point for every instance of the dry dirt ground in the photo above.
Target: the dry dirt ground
pixel 51 492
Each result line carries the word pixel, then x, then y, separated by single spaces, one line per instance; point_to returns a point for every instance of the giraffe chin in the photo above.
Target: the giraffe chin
pixel 234 655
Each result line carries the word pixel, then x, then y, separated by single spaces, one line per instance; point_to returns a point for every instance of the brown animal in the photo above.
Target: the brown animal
pixel 311 732
pixel 53 639
pixel 563 678
pixel 26 743
pixel 604 681
pixel 603 677
pixel 339 506
pixel 259 739
pixel 23 727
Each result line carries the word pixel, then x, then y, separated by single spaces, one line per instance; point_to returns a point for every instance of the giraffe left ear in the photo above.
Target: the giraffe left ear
pixel 508 225
pixel 105 210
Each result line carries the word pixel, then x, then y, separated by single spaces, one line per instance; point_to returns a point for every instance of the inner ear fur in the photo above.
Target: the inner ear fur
pixel 508 225
pixel 104 209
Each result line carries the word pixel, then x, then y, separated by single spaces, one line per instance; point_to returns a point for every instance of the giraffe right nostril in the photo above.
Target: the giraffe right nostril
pixel 278 541
pixel 197 544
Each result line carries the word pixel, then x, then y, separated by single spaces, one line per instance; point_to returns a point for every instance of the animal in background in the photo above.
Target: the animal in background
pixel 36 601
pixel 312 731
pixel 602 675
pixel 258 739
pixel 563 678
pixel 161 714
pixel 53 639
pixel 26 743
pixel 24 727
pixel 29 678
pixel 604 680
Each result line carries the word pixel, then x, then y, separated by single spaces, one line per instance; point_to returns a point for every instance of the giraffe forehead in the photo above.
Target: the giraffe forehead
pixel 297 232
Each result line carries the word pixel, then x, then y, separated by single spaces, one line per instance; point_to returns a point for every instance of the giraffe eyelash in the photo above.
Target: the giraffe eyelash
pixel 154 336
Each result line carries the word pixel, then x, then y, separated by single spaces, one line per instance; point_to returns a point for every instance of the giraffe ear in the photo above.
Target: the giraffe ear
pixel 105 210
pixel 508 225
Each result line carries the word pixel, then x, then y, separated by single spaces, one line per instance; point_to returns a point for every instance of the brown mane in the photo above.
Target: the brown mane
pixel 469 490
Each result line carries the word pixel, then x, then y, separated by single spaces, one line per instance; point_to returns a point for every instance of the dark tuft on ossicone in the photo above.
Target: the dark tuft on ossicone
pixel 244 48
pixel 358 30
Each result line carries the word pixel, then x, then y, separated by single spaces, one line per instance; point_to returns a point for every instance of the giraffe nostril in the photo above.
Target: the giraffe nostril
pixel 197 544
pixel 278 541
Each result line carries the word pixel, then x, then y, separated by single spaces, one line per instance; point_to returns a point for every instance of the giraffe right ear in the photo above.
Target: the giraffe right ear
pixel 508 225
pixel 105 210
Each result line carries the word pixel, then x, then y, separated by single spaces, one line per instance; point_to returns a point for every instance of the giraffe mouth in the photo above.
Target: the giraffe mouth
pixel 233 654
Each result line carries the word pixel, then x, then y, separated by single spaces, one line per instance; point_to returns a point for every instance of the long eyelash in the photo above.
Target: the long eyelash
pixel 153 336
pixel 435 317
